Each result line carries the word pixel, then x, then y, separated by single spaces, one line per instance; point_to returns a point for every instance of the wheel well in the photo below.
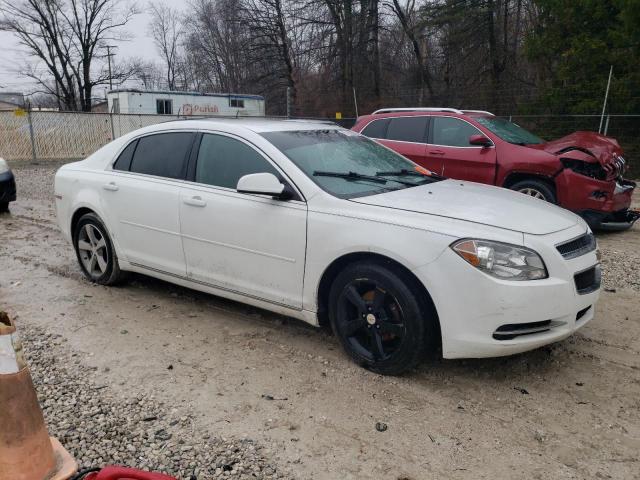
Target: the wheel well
pixel 514 178
pixel 77 215
pixel 341 263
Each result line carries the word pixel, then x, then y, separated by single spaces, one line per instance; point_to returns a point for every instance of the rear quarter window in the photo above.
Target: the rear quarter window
pixel 163 155
pixel 124 160
pixel 376 129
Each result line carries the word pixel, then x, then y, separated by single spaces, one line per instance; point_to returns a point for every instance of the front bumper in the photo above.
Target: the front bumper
pixel 7 187
pixel 473 306
pixel 598 202
pixel 616 221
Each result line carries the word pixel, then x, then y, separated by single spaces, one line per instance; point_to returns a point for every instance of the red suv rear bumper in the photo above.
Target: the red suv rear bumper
pixel 604 204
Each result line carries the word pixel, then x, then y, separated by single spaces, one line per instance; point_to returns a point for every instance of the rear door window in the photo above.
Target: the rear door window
pixel 163 155
pixel 222 161
pixel 376 129
pixel 408 129
pixel 452 132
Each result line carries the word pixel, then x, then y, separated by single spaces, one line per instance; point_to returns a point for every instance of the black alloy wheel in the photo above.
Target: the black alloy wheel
pixel 381 318
pixel 371 320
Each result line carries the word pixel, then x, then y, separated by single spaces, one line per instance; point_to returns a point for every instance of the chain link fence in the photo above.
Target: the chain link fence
pixel 42 135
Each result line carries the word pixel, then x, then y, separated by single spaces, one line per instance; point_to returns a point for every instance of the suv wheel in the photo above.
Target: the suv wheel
pixel 535 188
pixel 96 256
pixel 4 207
pixel 380 319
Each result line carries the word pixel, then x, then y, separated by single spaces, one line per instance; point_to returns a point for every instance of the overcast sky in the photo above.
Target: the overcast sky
pixel 13 58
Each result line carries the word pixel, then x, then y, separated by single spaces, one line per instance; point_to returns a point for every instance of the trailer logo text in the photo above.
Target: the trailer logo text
pixel 189 109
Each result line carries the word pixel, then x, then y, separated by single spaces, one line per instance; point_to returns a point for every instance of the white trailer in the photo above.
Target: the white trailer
pixel 185 103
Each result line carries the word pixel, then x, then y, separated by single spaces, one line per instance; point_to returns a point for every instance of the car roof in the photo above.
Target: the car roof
pixel 255 124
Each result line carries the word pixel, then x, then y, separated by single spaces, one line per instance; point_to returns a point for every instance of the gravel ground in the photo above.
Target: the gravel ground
pixel 99 427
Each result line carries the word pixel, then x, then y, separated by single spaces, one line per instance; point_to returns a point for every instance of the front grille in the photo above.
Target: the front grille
pixel 615 168
pixel 588 280
pixel 513 330
pixel 578 246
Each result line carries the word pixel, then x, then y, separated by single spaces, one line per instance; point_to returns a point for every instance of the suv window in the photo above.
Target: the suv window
pixel 223 160
pixel 124 160
pixel 408 129
pixel 163 155
pixel 376 129
pixel 452 132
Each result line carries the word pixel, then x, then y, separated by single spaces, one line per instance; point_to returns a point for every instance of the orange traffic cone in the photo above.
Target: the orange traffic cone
pixel 26 451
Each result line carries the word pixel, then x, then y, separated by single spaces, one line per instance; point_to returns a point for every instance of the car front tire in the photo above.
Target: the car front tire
pixel 381 318
pixel 95 252
pixel 536 188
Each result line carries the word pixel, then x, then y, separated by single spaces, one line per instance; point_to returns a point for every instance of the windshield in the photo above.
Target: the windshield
pixel 347 164
pixel 508 131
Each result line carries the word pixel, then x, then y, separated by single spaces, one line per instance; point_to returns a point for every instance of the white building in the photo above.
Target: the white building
pixel 184 103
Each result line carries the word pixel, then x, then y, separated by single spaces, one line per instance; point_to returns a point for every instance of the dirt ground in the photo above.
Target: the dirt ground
pixel 570 410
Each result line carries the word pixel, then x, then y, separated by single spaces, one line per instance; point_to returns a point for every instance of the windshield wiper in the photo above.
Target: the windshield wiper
pixel 349 176
pixel 408 173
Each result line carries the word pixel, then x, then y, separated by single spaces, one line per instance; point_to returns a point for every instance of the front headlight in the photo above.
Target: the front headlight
pixel 4 167
pixel 501 260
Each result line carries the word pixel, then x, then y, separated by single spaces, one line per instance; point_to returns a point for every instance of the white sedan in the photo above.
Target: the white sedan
pixel 319 223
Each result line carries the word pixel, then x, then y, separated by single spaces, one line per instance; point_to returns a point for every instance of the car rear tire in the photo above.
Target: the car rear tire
pixel 381 318
pixel 95 252
pixel 536 188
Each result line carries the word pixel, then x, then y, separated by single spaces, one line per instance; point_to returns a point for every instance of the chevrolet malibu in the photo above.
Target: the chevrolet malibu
pixel 322 224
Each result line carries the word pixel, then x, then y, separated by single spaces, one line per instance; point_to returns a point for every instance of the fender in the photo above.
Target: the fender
pixel 88 198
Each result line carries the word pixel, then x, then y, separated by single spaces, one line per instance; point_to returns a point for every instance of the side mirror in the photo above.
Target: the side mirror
pixel 480 140
pixel 261 184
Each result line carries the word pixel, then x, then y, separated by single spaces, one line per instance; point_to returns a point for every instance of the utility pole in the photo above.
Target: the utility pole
pixel 110 110
pixel 606 97
pixel 109 55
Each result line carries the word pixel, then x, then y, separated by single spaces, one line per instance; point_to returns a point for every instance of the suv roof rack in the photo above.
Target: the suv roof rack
pixel 420 109
pixel 478 111
pixel 431 109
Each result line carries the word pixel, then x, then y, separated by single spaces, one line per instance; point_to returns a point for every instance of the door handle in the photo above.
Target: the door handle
pixel 436 152
pixel 195 202
pixel 111 186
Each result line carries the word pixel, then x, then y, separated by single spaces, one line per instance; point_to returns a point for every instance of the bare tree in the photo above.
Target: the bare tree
pixel 67 37
pixel 149 74
pixel 219 40
pixel 269 43
pixel 167 33
pixel 406 15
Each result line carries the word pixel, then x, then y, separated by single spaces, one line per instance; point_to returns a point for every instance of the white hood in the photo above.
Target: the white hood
pixel 474 202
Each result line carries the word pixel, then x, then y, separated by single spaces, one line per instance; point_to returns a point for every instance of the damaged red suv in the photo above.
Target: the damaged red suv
pixel 582 172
